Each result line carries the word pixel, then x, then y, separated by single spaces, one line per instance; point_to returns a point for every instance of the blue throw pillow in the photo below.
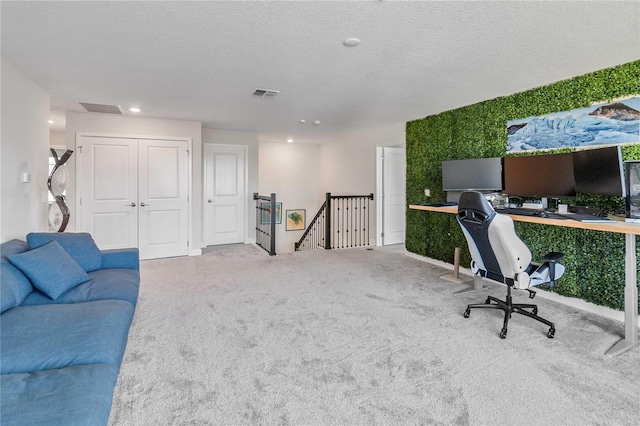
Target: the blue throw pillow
pixel 14 285
pixel 80 247
pixel 50 269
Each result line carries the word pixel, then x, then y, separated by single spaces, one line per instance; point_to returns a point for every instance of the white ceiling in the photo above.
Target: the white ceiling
pixel 202 60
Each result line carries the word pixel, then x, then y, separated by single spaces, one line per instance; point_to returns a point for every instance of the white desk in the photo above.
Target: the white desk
pixel 630 230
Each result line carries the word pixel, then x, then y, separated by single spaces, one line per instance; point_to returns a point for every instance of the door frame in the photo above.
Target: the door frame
pixel 247 204
pixel 191 249
pixel 380 190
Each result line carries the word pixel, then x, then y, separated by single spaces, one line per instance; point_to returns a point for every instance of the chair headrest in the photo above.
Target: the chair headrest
pixel 474 201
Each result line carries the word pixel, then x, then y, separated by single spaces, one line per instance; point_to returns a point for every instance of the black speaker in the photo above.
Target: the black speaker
pixel 632 172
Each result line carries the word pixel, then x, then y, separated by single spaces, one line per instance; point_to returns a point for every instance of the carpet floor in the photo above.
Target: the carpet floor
pixel 357 337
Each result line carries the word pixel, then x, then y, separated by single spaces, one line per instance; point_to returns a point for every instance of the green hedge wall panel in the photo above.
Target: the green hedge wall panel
pixel 601 282
pixel 416 229
pixel 439 242
pixel 623 80
pixel 594 261
pixel 542 239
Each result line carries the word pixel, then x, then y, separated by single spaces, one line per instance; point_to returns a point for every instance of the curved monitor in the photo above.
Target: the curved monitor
pixel 599 171
pixel 549 175
pixel 478 174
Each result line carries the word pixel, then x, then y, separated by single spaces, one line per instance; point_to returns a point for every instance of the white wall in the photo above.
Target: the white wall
pixel 250 140
pixel 139 126
pixel 57 138
pixel 25 148
pixel 348 166
pixel 292 172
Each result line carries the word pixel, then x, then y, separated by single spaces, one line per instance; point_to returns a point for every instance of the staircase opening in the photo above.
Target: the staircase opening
pixel 341 222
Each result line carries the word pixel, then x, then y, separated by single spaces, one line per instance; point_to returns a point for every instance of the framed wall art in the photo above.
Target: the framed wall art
pixel 266 212
pixel 296 220
pixel 607 123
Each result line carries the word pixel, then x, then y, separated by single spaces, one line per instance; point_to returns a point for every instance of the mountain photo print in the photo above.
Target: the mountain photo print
pixel 611 123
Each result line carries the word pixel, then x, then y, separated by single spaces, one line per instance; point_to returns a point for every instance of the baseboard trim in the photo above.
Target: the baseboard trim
pixel 463 271
pixel 195 252
pixel 573 302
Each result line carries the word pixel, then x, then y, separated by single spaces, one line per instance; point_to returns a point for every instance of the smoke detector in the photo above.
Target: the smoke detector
pixel 105 109
pixel 265 93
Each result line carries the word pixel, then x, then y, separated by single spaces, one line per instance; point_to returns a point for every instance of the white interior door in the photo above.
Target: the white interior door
pixel 394 201
pixel 109 191
pixel 163 208
pixel 134 193
pixel 225 194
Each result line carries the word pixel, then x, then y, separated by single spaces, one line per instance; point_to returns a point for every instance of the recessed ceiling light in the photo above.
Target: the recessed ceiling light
pixel 50 121
pixel 316 123
pixel 290 140
pixel 351 42
pixel 303 121
pixel 134 109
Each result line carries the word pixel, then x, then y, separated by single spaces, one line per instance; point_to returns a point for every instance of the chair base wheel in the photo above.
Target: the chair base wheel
pixel 467 313
pixel 503 333
pixel 551 333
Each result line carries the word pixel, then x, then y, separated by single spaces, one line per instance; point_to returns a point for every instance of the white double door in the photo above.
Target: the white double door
pixel 225 194
pixel 134 193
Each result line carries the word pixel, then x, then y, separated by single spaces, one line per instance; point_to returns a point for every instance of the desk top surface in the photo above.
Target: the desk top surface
pixel 617 226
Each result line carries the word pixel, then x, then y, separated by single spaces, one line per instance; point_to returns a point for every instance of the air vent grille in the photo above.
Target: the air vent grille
pixel 105 109
pixel 263 93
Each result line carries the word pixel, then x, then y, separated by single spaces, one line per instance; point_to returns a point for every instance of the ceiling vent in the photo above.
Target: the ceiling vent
pixel 105 109
pixel 264 93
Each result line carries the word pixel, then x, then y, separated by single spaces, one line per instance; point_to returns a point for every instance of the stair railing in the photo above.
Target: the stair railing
pixel 266 222
pixel 341 222
pixel 314 236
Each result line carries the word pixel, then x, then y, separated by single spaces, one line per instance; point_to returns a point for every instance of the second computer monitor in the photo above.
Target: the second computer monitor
pixel 549 175
pixel 599 171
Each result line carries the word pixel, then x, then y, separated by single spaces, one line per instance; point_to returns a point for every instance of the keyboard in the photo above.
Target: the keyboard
pixel 585 217
pixel 443 204
pixel 519 211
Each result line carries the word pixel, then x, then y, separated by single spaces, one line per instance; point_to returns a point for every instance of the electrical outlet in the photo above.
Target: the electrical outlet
pixel 427 192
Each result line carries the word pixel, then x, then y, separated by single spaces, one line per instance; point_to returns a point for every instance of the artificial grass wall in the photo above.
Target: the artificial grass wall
pixel 594 260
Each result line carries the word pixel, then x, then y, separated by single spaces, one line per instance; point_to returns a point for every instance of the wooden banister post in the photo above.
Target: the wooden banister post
pixel 272 250
pixel 327 228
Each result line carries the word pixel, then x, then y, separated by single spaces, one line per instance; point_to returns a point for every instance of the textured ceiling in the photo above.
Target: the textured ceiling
pixel 202 60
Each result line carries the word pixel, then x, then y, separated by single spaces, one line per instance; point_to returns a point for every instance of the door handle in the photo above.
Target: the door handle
pixel 131 205
pixel 143 204
pixel 209 201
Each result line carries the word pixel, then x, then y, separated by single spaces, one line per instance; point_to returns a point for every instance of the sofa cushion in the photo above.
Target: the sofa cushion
pixel 77 395
pixel 14 285
pixel 79 245
pixel 121 258
pixel 50 269
pixel 119 284
pixel 43 337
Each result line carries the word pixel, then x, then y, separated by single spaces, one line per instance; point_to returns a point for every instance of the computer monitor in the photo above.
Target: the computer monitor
pixel 478 174
pixel 600 171
pixel 549 175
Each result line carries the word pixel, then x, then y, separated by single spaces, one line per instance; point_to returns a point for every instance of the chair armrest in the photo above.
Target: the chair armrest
pixel 554 256
pixel 551 259
pixel 127 258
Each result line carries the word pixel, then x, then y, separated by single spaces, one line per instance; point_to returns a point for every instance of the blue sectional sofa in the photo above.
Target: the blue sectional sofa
pixel 66 309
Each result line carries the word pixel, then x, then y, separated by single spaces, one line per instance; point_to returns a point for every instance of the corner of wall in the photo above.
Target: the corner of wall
pixel 25 142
